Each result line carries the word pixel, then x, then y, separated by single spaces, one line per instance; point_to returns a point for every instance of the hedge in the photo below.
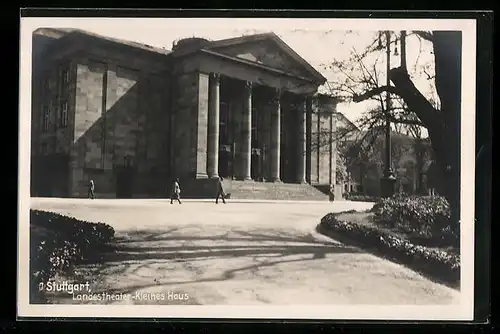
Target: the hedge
pixel 423 217
pixel 57 242
pixel 435 263
pixel 362 198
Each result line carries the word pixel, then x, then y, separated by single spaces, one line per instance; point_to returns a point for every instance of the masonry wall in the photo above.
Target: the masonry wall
pixel 323 147
pixel 327 149
pixel 121 119
pixel 53 94
pixel 190 121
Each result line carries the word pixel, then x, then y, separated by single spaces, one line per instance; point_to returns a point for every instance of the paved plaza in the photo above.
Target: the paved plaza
pixel 244 252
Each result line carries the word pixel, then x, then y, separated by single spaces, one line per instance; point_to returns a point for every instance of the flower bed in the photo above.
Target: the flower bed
pixel 425 218
pixel 57 242
pixel 440 265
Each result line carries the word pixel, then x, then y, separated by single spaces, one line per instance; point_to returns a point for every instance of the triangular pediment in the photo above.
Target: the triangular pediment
pixel 267 50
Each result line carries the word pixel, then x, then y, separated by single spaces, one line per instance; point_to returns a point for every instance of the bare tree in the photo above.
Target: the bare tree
pixel 442 123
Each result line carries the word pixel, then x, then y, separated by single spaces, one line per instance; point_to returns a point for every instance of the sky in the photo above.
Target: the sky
pixel 318 41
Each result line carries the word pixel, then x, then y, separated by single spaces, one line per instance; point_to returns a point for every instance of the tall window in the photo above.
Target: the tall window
pixel 45 86
pixel 45 118
pixel 43 148
pixel 63 114
pixel 65 75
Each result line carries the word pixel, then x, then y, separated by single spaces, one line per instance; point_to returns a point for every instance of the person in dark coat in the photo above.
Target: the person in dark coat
pixel 90 192
pixel 176 192
pixel 220 191
pixel 331 193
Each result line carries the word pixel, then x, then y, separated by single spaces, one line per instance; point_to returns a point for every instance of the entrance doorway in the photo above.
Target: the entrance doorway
pixel 125 179
pixel 225 161
pixel 256 165
pixel 124 182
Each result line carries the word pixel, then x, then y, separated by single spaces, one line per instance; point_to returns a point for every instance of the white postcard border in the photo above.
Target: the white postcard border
pixel 461 311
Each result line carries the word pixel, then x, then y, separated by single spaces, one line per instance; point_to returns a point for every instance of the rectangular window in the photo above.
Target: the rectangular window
pixel 45 118
pixel 63 114
pixel 45 86
pixel 65 75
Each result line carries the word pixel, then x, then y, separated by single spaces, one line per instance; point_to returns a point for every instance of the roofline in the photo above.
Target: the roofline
pixel 68 35
pixel 276 38
pixel 348 120
pixel 254 64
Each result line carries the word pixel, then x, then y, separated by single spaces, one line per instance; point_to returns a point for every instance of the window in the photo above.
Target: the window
pixel 63 114
pixel 65 75
pixel 43 148
pixel 45 118
pixel 45 86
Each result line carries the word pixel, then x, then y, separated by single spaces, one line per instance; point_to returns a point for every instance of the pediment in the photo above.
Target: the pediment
pixel 269 51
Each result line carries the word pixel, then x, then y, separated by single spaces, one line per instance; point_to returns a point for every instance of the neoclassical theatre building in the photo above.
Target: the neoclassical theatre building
pixel 133 117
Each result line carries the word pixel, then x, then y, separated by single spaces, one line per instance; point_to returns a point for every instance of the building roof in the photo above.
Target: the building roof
pixel 68 32
pixel 272 37
pixel 210 45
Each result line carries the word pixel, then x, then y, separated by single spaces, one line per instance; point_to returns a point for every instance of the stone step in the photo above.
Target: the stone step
pixel 272 191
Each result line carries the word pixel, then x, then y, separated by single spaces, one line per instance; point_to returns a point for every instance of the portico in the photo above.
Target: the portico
pixel 255 132
pixel 252 103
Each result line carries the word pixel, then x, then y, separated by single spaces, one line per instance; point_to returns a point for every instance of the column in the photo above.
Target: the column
pixel 213 126
pixel 308 138
pixel 246 133
pixel 275 137
pixel 301 141
pixel 201 126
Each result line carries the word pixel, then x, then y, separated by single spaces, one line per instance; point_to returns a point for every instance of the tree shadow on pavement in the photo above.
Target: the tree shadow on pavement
pixel 264 248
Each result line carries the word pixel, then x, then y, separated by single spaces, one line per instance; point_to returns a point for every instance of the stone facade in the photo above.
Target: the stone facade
pixel 132 117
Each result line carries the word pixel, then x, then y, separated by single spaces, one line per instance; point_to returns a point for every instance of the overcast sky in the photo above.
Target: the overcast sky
pixel 319 41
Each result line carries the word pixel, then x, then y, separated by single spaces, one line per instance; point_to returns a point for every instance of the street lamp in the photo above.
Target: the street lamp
pixel 388 181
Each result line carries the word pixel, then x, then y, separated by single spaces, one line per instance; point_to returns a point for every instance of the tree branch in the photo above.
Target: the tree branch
pixel 414 99
pixel 376 91
pixel 428 36
pixel 406 121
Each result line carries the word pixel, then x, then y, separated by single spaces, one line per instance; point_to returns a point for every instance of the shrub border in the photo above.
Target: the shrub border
pixel 71 245
pixel 439 266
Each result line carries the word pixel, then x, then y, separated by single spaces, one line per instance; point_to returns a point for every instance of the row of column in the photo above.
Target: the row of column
pixel 244 172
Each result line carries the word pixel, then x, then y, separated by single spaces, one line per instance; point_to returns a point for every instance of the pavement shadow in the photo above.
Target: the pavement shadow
pixel 265 247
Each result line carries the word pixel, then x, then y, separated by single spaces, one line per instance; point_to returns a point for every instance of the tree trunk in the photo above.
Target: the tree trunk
pixel 443 125
pixel 448 64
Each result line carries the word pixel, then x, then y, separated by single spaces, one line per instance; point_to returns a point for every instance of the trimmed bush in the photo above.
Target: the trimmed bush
pixel 57 242
pixel 432 262
pixel 362 198
pixel 423 217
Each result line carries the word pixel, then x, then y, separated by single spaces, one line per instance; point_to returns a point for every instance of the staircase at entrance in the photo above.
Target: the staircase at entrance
pixel 273 191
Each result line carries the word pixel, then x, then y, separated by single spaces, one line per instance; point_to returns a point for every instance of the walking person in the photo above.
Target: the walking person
pixel 331 193
pixel 176 192
pixel 220 191
pixel 90 193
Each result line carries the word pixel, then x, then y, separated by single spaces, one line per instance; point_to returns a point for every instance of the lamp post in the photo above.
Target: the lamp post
pixel 388 181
